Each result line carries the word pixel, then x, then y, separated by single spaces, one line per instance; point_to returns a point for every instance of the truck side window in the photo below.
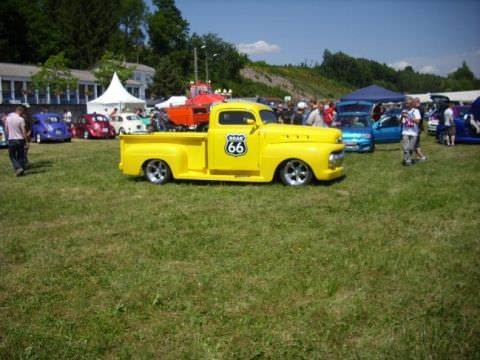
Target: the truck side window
pixel 235 117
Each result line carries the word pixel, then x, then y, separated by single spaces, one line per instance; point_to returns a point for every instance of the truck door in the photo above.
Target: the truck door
pixel 234 143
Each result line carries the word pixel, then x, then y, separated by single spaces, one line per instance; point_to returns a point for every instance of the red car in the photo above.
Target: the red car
pixel 91 126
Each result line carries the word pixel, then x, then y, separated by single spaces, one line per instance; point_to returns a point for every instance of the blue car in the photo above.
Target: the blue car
pixel 3 136
pixel 389 128
pixel 360 132
pixel 465 131
pixel 50 127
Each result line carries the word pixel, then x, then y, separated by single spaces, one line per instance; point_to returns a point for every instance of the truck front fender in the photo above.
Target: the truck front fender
pixel 314 154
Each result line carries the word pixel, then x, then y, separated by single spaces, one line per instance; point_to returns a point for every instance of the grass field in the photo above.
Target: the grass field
pixel 382 265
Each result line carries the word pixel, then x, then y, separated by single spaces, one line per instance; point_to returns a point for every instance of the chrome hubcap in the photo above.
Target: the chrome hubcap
pixel 296 172
pixel 156 171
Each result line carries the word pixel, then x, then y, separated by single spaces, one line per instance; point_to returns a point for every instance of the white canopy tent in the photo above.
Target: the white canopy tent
pixel 116 96
pixel 462 96
pixel 172 101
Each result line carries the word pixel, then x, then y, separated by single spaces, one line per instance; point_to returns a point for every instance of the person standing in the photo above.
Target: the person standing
pixel 329 114
pixel 17 140
pixel 450 125
pixel 278 111
pixel 316 116
pixel 67 117
pixel 28 129
pixel 297 118
pixel 287 114
pixel 410 121
pixel 418 150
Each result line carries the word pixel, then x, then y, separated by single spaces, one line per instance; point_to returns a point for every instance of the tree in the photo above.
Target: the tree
pixel 167 30
pixel 224 60
pixel 130 39
pixel 107 65
pixel 54 74
pixel 13 31
pixel 168 79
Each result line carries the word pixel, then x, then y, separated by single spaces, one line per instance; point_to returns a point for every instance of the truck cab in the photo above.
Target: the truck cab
pixel 244 143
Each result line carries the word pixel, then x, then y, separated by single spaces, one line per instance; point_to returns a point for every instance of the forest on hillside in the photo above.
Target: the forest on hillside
pixel 85 32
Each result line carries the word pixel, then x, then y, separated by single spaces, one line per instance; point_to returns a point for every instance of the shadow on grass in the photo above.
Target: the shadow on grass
pixel 275 181
pixel 39 167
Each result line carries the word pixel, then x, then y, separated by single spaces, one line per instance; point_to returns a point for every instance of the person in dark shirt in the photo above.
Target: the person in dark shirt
pixel 287 114
pixel 297 118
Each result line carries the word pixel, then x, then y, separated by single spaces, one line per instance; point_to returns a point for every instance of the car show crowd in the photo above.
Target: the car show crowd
pixel 448 121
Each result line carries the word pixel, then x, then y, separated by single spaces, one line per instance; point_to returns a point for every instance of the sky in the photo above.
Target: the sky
pixel 433 36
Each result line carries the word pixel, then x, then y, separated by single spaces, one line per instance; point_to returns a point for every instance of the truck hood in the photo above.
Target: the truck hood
pixel 280 133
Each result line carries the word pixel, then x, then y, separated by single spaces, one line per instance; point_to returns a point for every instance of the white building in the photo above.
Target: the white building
pixel 16 85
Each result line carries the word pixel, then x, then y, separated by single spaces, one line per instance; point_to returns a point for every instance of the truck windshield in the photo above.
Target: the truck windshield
pixel 268 117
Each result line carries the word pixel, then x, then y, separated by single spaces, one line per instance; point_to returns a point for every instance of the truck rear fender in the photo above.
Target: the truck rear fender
pixel 175 157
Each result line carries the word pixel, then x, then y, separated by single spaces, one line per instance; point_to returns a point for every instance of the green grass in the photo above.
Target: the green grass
pixel 384 264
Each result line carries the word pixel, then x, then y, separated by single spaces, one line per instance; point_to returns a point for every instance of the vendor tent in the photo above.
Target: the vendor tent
pixel 206 99
pixel 375 94
pixel 172 101
pixel 116 96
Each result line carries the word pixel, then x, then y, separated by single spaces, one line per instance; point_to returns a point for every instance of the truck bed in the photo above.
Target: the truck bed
pixel 182 150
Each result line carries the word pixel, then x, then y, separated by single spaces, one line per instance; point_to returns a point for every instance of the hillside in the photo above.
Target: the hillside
pixel 299 82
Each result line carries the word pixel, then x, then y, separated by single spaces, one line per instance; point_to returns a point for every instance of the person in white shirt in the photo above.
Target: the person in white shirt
pixel 316 116
pixel 17 139
pixel 410 120
pixel 450 125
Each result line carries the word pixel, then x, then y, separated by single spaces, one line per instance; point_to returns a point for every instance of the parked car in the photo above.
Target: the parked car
pixel 50 127
pixel 3 137
pixel 354 119
pixel 465 132
pixel 388 129
pixel 91 126
pixel 360 132
pixel 244 143
pixel 127 123
pixel 435 115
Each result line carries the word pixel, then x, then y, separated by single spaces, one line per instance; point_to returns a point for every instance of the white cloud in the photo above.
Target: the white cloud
pixel 400 65
pixel 259 47
pixel 428 69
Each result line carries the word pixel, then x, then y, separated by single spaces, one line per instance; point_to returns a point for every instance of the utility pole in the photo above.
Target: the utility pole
pixel 195 65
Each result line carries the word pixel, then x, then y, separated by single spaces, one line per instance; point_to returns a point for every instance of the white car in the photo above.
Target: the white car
pixel 127 123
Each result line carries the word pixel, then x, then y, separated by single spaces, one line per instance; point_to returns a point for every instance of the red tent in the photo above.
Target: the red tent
pixel 205 99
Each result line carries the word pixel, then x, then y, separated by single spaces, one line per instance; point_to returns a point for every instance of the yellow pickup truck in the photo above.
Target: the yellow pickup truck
pixel 244 142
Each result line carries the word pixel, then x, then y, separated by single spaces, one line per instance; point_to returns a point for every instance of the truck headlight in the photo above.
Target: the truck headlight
pixel 335 160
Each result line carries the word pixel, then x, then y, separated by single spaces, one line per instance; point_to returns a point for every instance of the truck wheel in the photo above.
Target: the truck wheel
pixel 38 139
pixel 295 173
pixel 157 171
pixel 86 135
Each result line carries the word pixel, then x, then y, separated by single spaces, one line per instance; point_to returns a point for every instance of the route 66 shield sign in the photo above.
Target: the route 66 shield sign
pixel 236 145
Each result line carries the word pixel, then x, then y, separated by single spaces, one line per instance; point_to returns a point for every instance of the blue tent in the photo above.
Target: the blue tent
pixel 375 94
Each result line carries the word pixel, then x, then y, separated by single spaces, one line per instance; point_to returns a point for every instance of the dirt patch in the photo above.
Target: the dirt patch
pixel 275 81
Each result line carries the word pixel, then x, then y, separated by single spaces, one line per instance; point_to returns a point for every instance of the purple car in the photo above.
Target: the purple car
pixel 50 127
